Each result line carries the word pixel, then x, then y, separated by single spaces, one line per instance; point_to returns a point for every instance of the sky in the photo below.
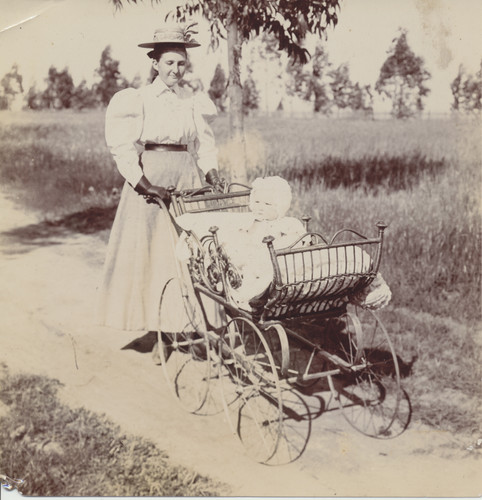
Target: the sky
pixel 36 34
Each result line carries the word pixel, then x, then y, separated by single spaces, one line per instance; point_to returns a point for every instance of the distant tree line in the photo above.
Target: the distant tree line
pixel 61 93
pixel 402 79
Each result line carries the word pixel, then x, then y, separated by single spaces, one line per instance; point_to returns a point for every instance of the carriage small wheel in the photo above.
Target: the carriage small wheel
pixel 184 350
pixel 370 396
pixel 251 389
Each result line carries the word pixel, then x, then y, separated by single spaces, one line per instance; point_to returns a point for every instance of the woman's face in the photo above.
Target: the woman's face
pixel 171 66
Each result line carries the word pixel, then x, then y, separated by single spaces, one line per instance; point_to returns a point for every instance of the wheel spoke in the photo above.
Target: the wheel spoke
pixel 185 355
pixel 370 397
pixel 255 414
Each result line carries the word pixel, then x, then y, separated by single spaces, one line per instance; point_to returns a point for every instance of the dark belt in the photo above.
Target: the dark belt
pixel 165 147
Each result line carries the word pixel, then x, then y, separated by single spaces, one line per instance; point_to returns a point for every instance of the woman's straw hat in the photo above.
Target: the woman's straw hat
pixel 173 33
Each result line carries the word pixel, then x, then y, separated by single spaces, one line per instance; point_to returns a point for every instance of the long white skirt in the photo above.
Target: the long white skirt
pixel 140 255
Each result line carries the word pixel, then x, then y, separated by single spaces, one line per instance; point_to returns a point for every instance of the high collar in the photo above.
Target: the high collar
pixel 160 87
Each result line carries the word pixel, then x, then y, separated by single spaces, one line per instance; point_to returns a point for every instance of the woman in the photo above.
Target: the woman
pixel 159 136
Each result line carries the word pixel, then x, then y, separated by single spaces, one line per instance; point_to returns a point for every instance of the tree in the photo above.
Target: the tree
pixel 457 89
pixel 111 80
pixel 11 88
pixel 361 99
pixel 467 91
pixel 60 89
pixel 316 85
pixel 217 89
pixel 341 86
pixel 310 83
pixel 297 79
pixel 250 94
pixel 288 20
pixel 34 98
pixel 269 63
pixel 83 97
pixel 402 79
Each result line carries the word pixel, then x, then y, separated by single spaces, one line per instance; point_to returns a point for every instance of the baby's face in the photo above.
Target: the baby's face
pixel 263 207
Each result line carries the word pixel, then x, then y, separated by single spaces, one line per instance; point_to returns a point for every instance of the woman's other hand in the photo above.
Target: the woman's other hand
pixel 148 190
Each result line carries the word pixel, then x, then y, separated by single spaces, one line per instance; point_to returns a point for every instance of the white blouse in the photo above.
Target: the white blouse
pixel 161 115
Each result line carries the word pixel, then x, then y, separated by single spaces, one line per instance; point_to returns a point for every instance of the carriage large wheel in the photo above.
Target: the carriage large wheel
pixel 184 351
pixel 251 389
pixel 369 394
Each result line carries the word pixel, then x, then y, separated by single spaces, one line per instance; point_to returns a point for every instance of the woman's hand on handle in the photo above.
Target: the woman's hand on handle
pixel 149 191
pixel 212 177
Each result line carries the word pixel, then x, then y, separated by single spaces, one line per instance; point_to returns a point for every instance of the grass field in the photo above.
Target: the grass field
pixel 60 451
pixel 422 178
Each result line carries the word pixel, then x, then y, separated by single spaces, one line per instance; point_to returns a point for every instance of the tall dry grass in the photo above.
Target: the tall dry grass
pixel 56 162
pixel 422 178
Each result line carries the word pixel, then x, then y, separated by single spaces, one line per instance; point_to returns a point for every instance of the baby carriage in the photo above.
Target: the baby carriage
pixel 307 331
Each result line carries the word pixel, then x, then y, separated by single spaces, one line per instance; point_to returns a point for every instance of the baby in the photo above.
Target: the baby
pixel 269 202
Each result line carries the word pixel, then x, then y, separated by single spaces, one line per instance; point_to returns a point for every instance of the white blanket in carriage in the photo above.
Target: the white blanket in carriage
pixel 252 260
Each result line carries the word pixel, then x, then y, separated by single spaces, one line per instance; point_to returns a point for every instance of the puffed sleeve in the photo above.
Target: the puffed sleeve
pixel 123 128
pixel 205 147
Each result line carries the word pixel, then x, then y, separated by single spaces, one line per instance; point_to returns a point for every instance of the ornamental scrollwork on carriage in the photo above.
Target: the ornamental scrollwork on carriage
pixel 233 277
pixel 210 266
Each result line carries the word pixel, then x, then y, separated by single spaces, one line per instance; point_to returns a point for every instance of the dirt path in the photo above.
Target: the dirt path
pixel 47 295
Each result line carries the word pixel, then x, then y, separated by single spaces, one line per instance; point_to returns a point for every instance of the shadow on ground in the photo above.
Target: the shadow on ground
pixel 143 344
pixel 90 221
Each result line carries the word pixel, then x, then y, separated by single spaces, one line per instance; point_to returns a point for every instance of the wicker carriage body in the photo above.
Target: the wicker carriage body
pixel 313 276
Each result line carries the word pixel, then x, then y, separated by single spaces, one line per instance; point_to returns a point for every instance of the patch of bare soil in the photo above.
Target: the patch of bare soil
pixel 49 276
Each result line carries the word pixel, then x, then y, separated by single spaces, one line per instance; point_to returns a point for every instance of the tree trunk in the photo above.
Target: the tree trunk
pixel 237 146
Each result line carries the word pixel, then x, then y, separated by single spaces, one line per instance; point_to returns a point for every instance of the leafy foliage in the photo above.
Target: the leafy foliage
pixel 467 91
pixel 111 80
pixel 33 98
pixel 341 86
pixel 361 99
pixel 60 89
pixel 217 89
pixel 315 84
pixel 310 84
pixel 347 94
pixel 327 88
pixel 61 93
pixel 288 20
pixel 83 97
pixel 250 95
pixel 10 87
pixel 402 79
